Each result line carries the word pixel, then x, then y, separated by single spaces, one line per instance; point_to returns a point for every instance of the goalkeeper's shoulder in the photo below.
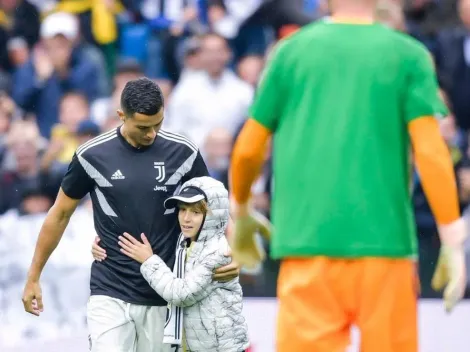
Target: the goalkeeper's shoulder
pixel 409 45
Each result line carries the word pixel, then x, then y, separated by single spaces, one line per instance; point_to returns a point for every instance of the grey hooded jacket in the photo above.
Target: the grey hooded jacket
pixel 213 320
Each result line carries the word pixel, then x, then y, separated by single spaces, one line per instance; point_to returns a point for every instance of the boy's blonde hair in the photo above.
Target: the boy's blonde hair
pixel 201 206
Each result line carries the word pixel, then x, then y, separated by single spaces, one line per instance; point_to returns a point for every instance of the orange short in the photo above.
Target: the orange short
pixel 321 298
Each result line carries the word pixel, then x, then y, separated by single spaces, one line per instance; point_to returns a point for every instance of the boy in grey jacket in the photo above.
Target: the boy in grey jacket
pixel 210 312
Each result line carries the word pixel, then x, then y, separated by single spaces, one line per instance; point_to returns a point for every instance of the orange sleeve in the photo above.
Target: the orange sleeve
pixel 247 159
pixel 435 167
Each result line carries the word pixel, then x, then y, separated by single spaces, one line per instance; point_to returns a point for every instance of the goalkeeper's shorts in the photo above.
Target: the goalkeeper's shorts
pixel 321 298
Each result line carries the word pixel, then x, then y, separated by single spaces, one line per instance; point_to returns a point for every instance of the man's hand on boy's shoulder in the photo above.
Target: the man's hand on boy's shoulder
pixel 227 272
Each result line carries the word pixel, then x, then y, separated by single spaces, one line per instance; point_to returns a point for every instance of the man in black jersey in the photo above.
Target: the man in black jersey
pixel 129 172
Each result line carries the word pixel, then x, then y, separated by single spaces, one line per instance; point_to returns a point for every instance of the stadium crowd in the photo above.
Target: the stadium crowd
pixel 64 64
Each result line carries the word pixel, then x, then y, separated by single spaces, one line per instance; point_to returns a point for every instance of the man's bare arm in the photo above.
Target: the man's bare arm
pixel 51 232
pixel 49 237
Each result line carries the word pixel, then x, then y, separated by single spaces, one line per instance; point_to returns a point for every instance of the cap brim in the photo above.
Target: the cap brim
pixel 171 202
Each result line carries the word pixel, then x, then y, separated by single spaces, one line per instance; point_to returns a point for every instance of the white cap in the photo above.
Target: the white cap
pixel 189 195
pixel 60 23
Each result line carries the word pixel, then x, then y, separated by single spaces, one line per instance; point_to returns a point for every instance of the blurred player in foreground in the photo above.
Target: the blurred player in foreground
pixel 344 99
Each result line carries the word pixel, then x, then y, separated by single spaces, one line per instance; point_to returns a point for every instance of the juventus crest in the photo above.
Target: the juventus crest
pixel 160 166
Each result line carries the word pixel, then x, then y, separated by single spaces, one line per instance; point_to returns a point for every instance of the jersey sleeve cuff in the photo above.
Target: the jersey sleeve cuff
pixel 453 234
pixel 262 123
pixel 70 194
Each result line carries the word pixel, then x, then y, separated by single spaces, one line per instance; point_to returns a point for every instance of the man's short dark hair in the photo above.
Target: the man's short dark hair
pixel 141 96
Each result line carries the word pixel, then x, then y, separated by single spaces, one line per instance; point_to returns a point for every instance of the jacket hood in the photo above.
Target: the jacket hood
pixel 216 220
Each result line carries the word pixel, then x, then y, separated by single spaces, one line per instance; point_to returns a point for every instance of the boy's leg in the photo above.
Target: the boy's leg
pixel 314 305
pixel 387 311
pixel 150 323
pixel 109 325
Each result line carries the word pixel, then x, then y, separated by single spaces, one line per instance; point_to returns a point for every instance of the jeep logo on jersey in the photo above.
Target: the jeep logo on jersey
pixel 160 166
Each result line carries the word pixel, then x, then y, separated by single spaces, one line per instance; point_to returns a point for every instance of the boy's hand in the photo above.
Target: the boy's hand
pixel 134 249
pixel 99 253
pixel 228 272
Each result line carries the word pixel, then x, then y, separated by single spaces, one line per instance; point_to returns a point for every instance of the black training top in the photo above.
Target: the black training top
pixel 128 187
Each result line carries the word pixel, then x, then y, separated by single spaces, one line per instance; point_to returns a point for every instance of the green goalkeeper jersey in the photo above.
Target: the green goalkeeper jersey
pixel 338 98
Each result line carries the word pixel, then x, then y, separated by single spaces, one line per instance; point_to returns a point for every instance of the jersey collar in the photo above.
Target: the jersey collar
pixel 130 146
pixel 349 20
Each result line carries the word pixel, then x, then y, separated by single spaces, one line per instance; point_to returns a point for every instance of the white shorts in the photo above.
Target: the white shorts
pixel 117 326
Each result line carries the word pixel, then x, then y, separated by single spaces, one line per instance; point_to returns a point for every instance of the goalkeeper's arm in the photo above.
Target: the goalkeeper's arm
pixel 437 175
pixel 435 167
pixel 247 160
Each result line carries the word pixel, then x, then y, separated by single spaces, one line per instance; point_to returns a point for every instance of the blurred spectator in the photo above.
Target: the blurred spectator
pixel 57 66
pixel 191 58
pixel 18 20
pixel 18 51
pixel 213 98
pixel 232 20
pixel 249 69
pixel 35 200
pixel 7 110
pixel 452 56
pixel 464 180
pixel 73 110
pixel 44 6
pixel 112 122
pixel 98 24
pixel 24 144
pixel 171 22
pixel 427 17
pixel 87 130
pixel 241 19
pixel 390 13
pixel 216 151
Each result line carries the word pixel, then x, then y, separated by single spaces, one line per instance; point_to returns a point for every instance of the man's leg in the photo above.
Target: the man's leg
pixel 387 310
pixel 150 323
pixel 110 326
pixel 314 306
